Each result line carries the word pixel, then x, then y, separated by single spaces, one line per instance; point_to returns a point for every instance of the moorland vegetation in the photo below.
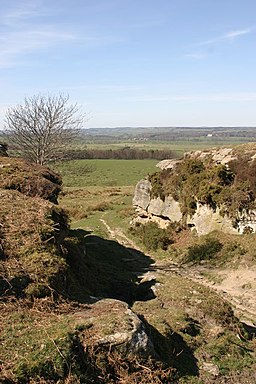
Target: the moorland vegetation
pixel 233 188
pixel 58 260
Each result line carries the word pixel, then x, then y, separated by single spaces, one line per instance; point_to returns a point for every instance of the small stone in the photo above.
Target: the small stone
pixel 211 368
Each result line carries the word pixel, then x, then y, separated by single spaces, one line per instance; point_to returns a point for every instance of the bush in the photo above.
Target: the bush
pixel 102 206
pixel 152 236
pixel 204 251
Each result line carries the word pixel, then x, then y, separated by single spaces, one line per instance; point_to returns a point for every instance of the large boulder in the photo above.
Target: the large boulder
pixel 111 325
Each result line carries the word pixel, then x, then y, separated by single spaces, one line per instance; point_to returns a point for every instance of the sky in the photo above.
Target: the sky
pixel 133 62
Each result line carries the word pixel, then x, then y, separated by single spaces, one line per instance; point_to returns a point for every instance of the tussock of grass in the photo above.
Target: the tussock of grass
pixel 101 206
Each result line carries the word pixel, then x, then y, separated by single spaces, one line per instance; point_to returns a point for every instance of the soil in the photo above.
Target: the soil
pixel 238 286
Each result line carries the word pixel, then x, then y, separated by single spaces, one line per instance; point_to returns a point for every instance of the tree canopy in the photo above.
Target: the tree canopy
pixel 43 126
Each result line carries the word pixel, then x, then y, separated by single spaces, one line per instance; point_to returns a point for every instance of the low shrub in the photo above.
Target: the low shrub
pixel 102 206
pixel 152 236
pixel 206 250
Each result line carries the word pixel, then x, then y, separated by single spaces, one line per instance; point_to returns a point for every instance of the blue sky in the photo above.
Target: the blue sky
pixel 134 62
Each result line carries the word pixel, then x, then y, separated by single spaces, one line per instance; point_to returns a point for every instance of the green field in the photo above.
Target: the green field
pixel 97 189
pixel 109 173
pixel 178 146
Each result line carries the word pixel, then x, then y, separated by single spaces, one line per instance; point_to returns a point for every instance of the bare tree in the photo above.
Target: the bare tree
pixel 43 127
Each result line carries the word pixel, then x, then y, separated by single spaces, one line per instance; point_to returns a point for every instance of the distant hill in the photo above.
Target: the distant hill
pixel 170 133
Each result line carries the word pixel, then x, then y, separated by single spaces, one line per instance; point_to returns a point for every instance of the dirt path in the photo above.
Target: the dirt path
pixel 237 286
pixel 118 235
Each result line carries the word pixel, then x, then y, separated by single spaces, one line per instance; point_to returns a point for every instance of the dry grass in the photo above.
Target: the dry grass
pixel 32 231
pixel 29 179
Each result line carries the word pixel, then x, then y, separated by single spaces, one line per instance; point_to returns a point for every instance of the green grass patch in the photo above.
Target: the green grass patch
pixel 108 173
pixel 34 345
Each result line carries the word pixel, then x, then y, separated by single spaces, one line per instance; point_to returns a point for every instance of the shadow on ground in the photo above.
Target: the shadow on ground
pixel 105 269
pixel 102 268
pixel 173 350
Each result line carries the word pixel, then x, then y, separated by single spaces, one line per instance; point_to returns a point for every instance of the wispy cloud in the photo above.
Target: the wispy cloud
pixel 17 13
pixel 111 88
pixel 196 56
pixel 215 97
pixel 16 44
pixel 25 30
pixel 233 34
pixel 22 32
pixel 229 36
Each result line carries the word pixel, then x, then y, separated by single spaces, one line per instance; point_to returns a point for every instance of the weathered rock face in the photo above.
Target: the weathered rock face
pixel 168 163
pixel 237 192
pixel 169 208
pixel 142 194
pixel 206 220
pixel 247 221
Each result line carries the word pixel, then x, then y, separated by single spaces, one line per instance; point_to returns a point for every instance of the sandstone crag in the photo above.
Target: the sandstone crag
pixel 206 190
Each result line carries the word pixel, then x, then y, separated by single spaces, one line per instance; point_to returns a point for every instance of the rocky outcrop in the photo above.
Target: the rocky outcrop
pixel 219 156
pixel 113 326
pixel 206 220
pixel 142 194
pixel 155 209
pixel 167 208
pixel 221 194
